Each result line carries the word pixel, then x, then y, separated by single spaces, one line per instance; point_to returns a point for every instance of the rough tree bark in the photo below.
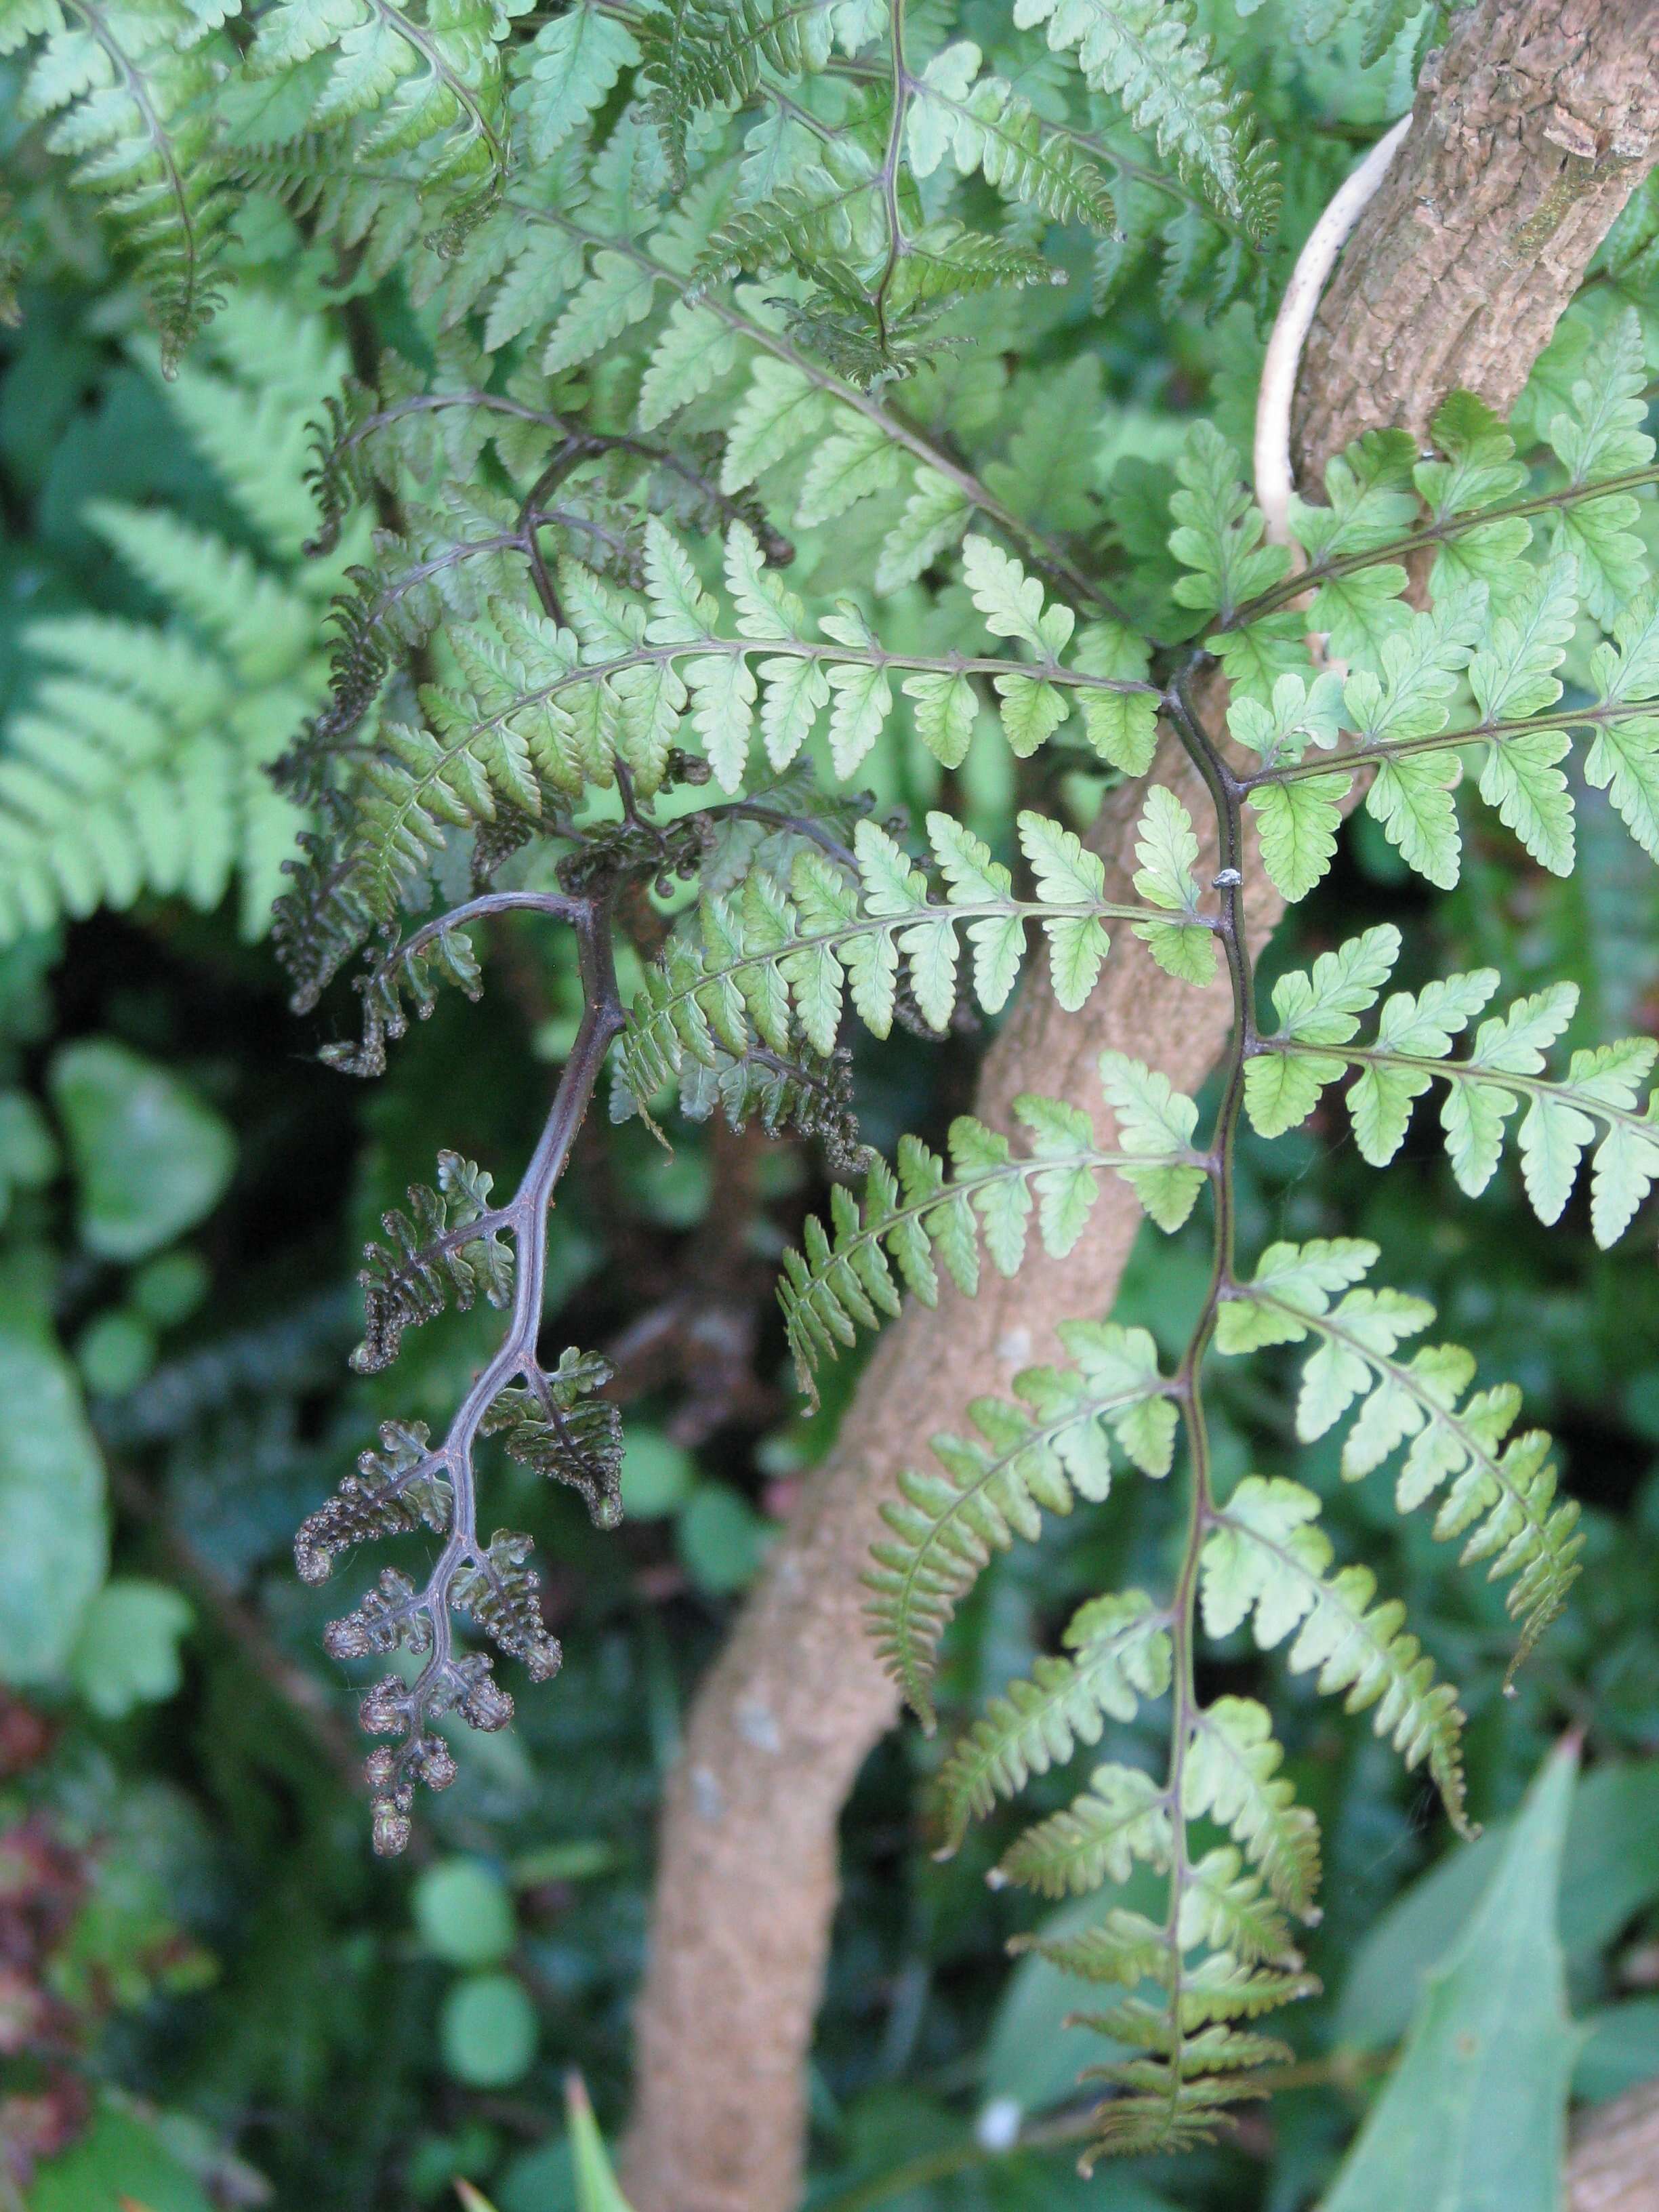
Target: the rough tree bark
pixel 1614 2166
pixel 1528 136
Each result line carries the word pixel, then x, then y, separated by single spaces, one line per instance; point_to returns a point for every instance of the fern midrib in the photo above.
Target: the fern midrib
pixel 160 140
pixel 593 671
pixel 1603 714
pixel 1448 527
pixel 1464 1071
pixel 932 915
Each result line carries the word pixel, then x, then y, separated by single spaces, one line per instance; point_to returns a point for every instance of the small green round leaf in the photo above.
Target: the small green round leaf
pixel 464 1912
pixel 150 1158
pixel 170 1287
pixel 488 2031
pixel 28 1150
pixel 52 1496
pixel 127 1653
pixel 721 1540
pixel 115 1353
pixel 657 1474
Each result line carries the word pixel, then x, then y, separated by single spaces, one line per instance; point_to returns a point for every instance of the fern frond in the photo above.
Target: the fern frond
pixel 1230 1770
pixel 925 1213
pixel 1502 1498
pixel 566 72
pixel 135 768
pixel 130 84
pixel 1168 2109
pixel 387 1618
pixel 413 969
pixel 1148 54
pixel 701 54
pixel 771 970
pixel 448 1241
pixel 1502 1072
pixel 502 1592
pixel 1122 1816
pixel 399 79
pixel 553 1424
pixel 402 1486
pixel 983 124
pixel 1121 1946
pixel 1120 1648
pixel 1222 1907
pixel 1266 1558
pixel 1036 1456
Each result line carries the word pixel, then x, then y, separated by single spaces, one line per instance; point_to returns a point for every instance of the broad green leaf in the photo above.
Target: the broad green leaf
pixel 1473 2119
pixel 127 1652
pixel 596 2189
pixel 121 2161
pixel 150 1160
pixel 51 1493
pixel 1609 1872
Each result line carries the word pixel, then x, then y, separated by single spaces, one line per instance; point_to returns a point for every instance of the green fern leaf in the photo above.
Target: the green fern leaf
pixel 988 126
pixel 1266 1559
pixel 1034 1457
pixel 130 83
pixel 1122 1817
pixel 1120 1653
pixel 1501 1498
pixel 1230 1771
pixel 566 72
pixel 1155 1126
pixel 1147 53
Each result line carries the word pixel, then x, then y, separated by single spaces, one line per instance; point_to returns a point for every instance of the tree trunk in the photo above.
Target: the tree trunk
pixel 1525 145
pixel 1614 2166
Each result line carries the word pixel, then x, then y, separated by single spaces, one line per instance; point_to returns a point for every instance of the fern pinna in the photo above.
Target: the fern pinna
pixel 702 495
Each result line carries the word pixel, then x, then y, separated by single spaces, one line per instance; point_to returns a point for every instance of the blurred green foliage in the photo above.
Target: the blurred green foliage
pixel 209 1995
